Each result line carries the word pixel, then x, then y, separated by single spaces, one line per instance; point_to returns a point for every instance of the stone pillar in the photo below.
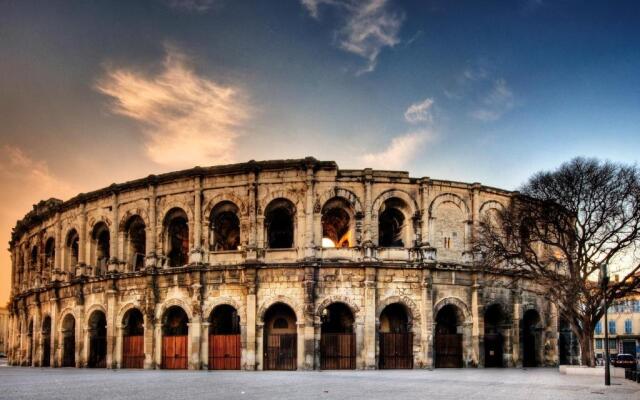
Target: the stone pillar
pixel 368 182
pixel 157 343
pixel 426 309
pixel 309 252
pixel 250 346
pixel 194 342
pixel 79 336
pixel 83 247
pixel 260 345
pixel 515 330
pixel 151 235
pixel 308 331
pixel 195 256
pixel 113 242
pixel 475 316
pixel 112 323
pixel 552 356
pixel 370 323
pixel 36 354
pixel 151 336
pixel 302 345
pixel 53 307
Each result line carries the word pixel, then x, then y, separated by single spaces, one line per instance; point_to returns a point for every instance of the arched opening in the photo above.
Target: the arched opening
pixel 392 226
pixel 135 242
pixel 30 344
pixel 448 340
pixel 224 227
pixel 34 258
pixel 493 337
pixel 279 217
pixel 224 338
pixel 133 339
pixel 177 237
pixel 68 341
pixel 337 338
pixel 100 248
pixel 175 333
pixel 531 337
pixel 337 223
pixel 72 250
pixel 49 254
pixel 280 338
pixel 396 338
pixel 97 340
pixel 46 341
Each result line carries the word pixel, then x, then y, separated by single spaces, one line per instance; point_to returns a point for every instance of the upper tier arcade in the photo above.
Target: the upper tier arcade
pixel 258 213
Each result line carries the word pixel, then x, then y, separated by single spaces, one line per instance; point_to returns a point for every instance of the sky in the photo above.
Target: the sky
pixel 96 92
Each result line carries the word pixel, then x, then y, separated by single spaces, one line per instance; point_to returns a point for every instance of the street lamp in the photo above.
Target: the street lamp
pixel 604 281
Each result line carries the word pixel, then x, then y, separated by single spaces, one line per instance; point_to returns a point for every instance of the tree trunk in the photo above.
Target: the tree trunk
pixel 587 354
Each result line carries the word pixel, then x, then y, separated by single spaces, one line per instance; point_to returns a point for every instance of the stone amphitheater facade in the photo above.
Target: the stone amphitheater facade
pixel 287 264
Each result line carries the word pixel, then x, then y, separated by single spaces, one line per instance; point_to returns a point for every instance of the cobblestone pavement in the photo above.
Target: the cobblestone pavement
pixel 533 384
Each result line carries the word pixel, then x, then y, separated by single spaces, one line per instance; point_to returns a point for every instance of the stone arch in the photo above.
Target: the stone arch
pixel 292 196
pixel 531 306
pixel 96 219
pixel 221 197
pixel 461 305
pixel 449 198
pixel 93 308
pixel 297 309
pixel 166 205
pixel 127 307
pixel 355 310
pixel 226 300
pixel 63 314
pixel 164 306
pixel 131 212
pixel 400 194
pixel 413 311
pixel 490 204
pixel 343 193
pixel 504 307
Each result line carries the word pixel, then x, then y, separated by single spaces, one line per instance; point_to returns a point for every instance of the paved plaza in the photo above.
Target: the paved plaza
pixel 70 384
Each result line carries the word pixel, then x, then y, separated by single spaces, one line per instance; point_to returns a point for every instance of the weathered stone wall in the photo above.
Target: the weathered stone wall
pixel 432 270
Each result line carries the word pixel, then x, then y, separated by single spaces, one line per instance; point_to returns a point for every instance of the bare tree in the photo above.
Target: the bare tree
pixel 557 233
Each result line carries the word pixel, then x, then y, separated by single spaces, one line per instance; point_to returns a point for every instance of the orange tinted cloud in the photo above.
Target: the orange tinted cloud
pixel 186 119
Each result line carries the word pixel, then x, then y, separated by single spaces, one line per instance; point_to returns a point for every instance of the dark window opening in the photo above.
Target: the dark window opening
pixel 133 322
pixel 394 319
pixel 279 224
pixel 175 322
pixel 137 242
pixel 225 227
pixel 49 253
pixel 224 320
pixel 178 238
pixel 101 242
pixel 337 318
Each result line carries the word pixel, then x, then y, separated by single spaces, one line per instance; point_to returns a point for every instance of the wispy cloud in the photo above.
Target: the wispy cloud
pixel 195 6
pixel 186 119
pixel 419 112
pixel 368 26
pixel 401 151
pixel 495 103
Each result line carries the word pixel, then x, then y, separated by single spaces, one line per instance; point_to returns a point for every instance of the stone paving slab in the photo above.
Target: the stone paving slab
pixel 494 384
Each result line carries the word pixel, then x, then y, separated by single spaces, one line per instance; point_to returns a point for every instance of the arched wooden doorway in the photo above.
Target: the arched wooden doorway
pixel 69 341
pixel 175 333
pixel 337 338
pixel 224 338
pixel 46 342
pixel 493 338
pixel 133 339
pixel 280 338
pixel 448 339
pixel 396 338
pixel 531 331
pixel 97 340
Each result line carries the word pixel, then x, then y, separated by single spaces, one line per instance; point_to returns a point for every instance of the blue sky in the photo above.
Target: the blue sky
pixel 93 92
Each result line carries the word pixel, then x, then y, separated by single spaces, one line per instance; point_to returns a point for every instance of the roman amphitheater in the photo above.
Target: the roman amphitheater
pixel 288 264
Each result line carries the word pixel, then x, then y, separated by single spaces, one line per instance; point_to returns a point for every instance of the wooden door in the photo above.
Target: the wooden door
pixel 133 351
pixel 69 352
pixel 338 351
pixel 174 352
pixel 281 351
pixel 493 351
pixel 224 351
pixel 396 350
pixel 448 349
